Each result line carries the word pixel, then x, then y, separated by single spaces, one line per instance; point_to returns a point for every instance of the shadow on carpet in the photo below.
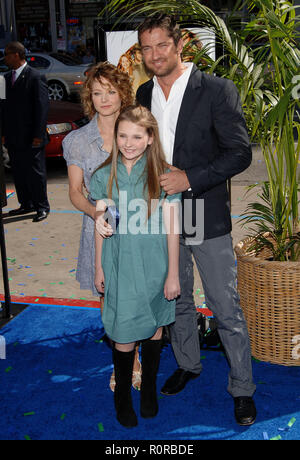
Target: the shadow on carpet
pixel 54 386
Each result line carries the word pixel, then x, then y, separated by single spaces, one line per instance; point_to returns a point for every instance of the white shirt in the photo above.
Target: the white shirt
pixel 166 111
pixel 19 70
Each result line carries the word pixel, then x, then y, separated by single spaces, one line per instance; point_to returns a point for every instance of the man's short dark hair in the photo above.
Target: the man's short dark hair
pixel 161 21
pixel 16 47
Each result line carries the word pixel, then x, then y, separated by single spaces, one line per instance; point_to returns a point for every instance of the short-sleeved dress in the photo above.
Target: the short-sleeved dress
pixel 134 259
pixel 84 148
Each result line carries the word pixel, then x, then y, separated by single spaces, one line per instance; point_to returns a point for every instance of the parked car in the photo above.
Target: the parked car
pixel 63 117
pixel 65 76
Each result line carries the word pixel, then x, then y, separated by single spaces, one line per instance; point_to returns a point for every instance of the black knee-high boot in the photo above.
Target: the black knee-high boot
pixel 150 362
pixel 123 362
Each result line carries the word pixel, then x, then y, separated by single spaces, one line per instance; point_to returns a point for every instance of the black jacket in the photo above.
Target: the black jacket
pixel 211 143
pixel 25 108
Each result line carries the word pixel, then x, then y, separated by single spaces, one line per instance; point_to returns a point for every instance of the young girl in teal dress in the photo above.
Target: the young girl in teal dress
pixel 137 266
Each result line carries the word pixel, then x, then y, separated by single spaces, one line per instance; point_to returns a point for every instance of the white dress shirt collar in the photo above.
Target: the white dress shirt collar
pixel 182 80
pixel 19 70
pixel 166 111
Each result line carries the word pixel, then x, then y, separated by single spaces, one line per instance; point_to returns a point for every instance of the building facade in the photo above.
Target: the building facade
pixel 51 25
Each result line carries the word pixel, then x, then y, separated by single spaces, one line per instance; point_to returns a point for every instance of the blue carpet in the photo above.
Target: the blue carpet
pixel 54 386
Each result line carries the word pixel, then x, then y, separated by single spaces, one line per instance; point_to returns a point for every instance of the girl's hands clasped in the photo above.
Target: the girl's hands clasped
pixel 102 227
pixel 172 287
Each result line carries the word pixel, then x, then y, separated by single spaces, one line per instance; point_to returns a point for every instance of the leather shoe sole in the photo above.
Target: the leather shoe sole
pixel 177 382
pixel 244 410
pixel 40 216
pixel 20 211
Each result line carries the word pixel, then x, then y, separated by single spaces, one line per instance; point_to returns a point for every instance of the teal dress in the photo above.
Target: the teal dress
pixel 134 259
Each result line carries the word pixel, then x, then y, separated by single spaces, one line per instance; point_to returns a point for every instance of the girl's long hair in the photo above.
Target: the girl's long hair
pixel 155 160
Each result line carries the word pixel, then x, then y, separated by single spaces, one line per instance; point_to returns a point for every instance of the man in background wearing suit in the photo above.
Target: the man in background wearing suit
pixel 24 129
pixel 204 137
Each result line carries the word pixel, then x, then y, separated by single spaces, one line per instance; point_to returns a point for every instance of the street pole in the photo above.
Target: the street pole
pixel 7 300
pixel 3 203
pixel 53 28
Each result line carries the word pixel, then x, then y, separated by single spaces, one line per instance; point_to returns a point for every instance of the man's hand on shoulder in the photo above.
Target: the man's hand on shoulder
pixel 175 181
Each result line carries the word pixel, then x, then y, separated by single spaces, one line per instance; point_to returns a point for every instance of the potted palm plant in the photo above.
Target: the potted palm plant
pixel 262 58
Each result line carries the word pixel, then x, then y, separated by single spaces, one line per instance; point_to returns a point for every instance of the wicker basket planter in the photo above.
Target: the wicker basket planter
pixel 270 299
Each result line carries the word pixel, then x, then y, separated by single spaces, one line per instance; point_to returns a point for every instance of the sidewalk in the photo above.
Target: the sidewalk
pixel 42 257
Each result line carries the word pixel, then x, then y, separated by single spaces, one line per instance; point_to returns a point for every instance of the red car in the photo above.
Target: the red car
pixel 63 117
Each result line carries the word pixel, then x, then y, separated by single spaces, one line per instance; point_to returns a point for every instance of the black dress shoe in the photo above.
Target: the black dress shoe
pixel 244 410
pixel 41 215
pixel 20 211
pixel 177 382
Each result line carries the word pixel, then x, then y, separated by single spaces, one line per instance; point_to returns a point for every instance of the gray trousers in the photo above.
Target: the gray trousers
pixel 216 265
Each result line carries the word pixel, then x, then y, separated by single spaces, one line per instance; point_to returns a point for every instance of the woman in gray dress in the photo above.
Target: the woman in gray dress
pixel 106 91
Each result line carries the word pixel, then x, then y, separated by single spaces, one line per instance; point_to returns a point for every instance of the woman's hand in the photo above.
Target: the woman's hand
pixel 172 287
pixel 102 227
pixel 99 279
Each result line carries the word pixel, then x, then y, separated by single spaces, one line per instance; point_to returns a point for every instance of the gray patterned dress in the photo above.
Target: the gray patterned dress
pixel 83 148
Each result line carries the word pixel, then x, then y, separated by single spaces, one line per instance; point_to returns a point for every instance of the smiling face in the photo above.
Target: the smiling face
pixel 106 98
pixel 132 141
pixel 160 53
pixel 125 62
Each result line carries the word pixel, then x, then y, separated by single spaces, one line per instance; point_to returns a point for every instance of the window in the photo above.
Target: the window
pixel 38 62
pixel 65 59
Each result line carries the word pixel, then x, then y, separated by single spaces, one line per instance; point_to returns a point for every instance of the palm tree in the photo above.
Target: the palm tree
pixel 262 58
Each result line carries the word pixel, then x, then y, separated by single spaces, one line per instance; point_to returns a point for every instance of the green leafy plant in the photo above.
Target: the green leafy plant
pixel 268 227
pixel 262 58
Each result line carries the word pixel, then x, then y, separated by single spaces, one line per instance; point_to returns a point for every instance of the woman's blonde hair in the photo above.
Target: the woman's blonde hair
pixel 119 80
pixel 155 164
